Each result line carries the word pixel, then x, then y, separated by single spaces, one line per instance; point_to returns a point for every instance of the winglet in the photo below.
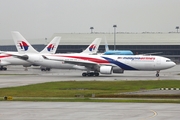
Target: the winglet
pixel 93 47
pixel 22 45
pixel 52 46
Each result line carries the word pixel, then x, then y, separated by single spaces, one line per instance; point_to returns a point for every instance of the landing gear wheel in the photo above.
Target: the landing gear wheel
pixel 157 75
pixel 90 74
pixel 42 69
pixel 5 68
pixel 96 74
pixel 48 69
pixel 84 74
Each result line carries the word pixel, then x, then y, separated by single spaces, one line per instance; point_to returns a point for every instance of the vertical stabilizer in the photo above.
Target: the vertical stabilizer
pixel 106 46
pixel 93 47
pixel 22 44
pixel 52 46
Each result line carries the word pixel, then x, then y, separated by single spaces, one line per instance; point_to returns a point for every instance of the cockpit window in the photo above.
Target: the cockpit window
pixel 168 61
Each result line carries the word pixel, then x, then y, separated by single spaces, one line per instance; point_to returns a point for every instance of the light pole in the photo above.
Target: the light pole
pixel 91 29
pixel 114 36
pixel 177 27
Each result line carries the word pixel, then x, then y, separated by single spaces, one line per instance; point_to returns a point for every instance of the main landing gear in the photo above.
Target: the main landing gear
pixel 3 68
pixel 90 74
pixel 45 69
pixel 157 73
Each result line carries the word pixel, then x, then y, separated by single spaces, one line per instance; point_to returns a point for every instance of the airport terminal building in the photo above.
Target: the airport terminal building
pixel 168 44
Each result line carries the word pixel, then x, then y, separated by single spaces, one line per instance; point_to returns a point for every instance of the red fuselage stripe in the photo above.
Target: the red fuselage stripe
pixel 4 56
pixel 85 58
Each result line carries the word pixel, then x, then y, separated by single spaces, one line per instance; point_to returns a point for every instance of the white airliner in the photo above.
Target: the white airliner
pixel 25 47
pixel 95 64
pixel 108 64
pixel 104 64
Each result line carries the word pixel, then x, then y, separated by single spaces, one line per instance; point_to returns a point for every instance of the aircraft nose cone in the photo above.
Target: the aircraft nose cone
pixel 173 64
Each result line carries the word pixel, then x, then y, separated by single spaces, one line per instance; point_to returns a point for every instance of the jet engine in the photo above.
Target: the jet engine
pixel 117 70
pixel 27 65
pixel 106 69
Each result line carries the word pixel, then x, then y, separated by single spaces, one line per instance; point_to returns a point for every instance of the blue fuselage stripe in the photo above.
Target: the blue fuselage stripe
pixel 121 65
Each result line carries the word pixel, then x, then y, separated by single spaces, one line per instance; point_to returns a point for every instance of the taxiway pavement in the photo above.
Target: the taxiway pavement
pixel 17 76
pixel 88 111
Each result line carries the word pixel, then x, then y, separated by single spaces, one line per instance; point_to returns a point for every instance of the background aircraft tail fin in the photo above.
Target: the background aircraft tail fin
pixel 93 47
pixel 22 45
pixel 52 46
pixel 106 46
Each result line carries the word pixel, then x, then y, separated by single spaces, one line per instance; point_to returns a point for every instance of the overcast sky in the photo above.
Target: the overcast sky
pixel 42 18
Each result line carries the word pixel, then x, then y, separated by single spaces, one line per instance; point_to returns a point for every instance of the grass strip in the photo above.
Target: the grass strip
pixel 124 100
pixel 85 89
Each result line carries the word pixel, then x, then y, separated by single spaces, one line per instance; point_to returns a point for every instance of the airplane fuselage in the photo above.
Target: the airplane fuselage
pixel 125 62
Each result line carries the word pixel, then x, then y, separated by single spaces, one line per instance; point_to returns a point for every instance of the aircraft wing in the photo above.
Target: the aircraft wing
pixel 23 57
pixel 86 63
pixel 15 54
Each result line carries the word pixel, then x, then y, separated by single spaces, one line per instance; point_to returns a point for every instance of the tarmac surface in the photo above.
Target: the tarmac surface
pixel 88 111
pixel 17 76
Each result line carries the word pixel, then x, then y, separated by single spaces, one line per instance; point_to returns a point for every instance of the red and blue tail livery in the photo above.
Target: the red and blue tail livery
pixel 50 47
pixel 92 47
pixel 23 45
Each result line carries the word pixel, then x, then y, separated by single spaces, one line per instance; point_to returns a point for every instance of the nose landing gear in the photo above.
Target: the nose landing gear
pixel 157 73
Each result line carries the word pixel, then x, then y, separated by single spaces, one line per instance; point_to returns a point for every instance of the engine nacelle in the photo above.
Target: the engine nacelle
pixel 27 65
pixel 106 69
pixel 117 70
